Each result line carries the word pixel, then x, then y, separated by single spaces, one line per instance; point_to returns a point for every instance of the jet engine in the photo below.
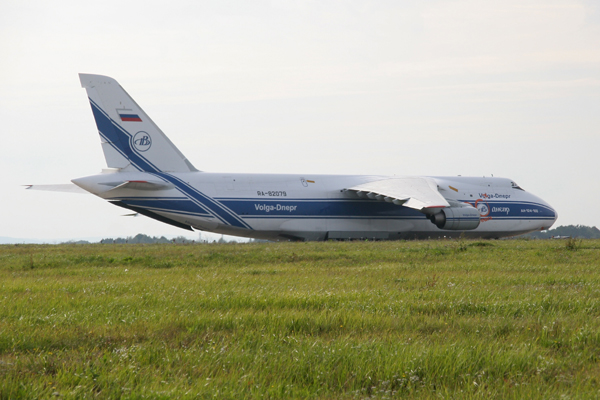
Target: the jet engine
pixel 457 217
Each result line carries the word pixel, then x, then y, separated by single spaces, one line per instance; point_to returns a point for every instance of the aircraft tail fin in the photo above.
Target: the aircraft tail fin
pixel 130 139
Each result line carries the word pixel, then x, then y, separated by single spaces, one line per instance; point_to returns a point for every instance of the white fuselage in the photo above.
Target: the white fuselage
pixel 315 207
pixel 152 177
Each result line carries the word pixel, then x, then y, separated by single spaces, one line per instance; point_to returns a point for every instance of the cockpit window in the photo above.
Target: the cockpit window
pixel 515 186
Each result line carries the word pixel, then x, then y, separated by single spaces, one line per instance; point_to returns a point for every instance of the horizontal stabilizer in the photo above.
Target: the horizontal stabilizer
pixel 67 187
pixel 419 193
pixel 143 185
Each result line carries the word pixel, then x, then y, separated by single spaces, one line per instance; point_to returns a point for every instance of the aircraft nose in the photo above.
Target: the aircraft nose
pixel 552 217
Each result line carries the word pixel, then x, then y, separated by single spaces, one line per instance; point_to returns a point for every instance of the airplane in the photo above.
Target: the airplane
pixel 147 174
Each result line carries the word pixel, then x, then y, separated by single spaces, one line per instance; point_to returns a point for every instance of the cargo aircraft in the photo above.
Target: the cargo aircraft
pixel 149 175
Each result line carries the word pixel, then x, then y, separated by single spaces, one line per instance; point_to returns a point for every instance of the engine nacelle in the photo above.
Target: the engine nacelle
pixel 461 218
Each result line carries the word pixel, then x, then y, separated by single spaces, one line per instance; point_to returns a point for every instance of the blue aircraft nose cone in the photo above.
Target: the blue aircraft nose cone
pixel 552 214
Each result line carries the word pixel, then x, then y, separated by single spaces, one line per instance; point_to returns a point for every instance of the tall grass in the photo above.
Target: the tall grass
pixel 440 319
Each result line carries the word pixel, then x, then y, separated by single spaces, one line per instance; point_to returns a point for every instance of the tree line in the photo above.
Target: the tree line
pixel 574 231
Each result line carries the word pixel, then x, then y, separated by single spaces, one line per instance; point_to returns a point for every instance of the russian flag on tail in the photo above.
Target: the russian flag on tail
pixel 128 115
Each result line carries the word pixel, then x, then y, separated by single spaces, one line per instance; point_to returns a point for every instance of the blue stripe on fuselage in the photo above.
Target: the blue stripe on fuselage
pixel 516 209
pixel 313 209
pixel 347 208
pixel 316 208
pixel 222 212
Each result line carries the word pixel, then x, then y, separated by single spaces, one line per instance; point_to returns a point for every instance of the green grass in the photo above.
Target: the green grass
pixel 439 319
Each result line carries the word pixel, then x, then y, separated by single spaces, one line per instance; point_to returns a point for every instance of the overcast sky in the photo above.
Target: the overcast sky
pixel 509 88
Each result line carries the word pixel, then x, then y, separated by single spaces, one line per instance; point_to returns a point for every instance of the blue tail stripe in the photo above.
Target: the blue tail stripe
pixel 107 130
pixel 118 150
pixel 120 140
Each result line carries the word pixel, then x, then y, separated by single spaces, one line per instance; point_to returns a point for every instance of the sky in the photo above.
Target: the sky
pixel 457 87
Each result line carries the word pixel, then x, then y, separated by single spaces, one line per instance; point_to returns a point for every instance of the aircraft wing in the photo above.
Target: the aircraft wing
pixel 67 187
pixel 420 193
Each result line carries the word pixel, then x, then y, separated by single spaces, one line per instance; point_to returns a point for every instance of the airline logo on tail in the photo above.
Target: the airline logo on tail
pixel 128 115
pixel 142 141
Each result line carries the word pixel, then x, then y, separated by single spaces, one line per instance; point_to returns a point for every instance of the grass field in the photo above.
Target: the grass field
pixel 346 320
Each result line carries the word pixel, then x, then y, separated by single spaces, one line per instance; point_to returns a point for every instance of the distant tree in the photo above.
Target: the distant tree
pixel 145 239
pixel 576 231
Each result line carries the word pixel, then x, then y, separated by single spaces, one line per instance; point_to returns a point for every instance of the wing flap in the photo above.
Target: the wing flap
pixel 419 193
